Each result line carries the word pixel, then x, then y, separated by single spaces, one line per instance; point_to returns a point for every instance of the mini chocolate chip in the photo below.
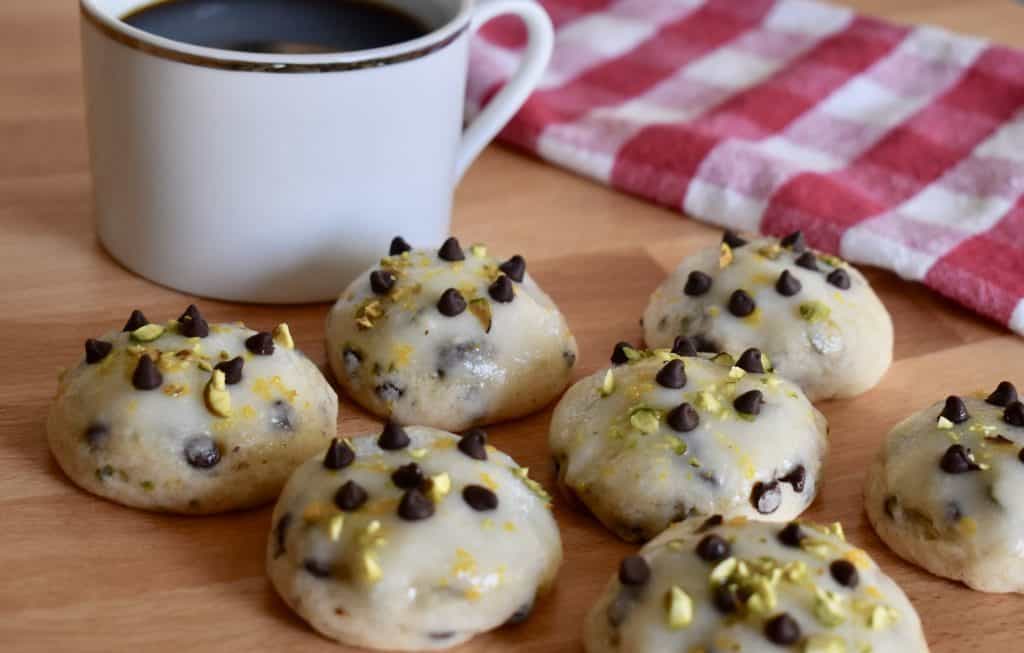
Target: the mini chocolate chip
pixel 261 344
pixel 766 497
pixel 619 353
pixel 683 346
pixel 808 261
pixel 191 323
pixel 479 498
pixel 521 614
pixel 281 534
pixel 697 283
pixel 473 443
pixel 135 320
pixel 713 548
pixel 232 369
pixel 442 634
pixel 672 374
pixel 749 403
pixel 845 573
pixel 953 512
pixel 415 506
pixel 515 268
pixel 451 251
pixel 317 568
pixel 714 521
pixel 382 281
pixel 634 571
pixel 202 452
pixel 1020 456
pixel 796 478
pixel 501 290
pixel 281 416
pixel 794 241
pixel 750 360
pixel 732 239
pixel 787 284
pixel 782 630
pixel 407 476
pixel 957 460
pixel 1014 414
pixel 839 278
pixel 398 246
pixel 955 410
pixel 791 535
pixel 146 376
pixel 96 350
pixel 725 599
pixel 393 437
pixel 96 433
pixel 1004 394
pixel 350 496
pixel 451 303
pixel 388 392
pixel 339 455
pixel 741 304
pixel 683 418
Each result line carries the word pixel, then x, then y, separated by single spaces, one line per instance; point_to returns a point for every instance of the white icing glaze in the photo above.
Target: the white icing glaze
pixel 418 366
pixel 442 579
pixel 643 617
pixel 281 411
pixel 967 526
pixel 637 483
pixel 840 355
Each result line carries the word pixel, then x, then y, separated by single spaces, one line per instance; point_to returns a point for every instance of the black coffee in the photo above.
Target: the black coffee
pixel 279 26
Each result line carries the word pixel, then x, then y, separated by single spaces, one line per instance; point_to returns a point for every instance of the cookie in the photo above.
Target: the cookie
pixel 946 491
pixel 449 338
pixel 739 585
pixel 665 435
pixel 187 416
pixel 815 315
pixel 412 539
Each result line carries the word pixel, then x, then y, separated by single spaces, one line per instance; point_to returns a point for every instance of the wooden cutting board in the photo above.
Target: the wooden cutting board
pixel 80 574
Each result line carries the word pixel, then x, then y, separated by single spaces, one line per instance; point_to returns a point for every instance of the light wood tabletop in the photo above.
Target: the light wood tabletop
pixel 78 573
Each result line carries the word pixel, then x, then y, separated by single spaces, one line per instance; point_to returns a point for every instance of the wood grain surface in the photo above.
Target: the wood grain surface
pixel 80 574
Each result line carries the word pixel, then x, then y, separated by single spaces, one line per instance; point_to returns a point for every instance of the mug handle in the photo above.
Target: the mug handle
pixel 540 40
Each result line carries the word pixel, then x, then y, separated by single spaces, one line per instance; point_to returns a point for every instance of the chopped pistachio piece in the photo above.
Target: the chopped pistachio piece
pixel 148 333
pixel 736 372
pixel 216 395
pixel 478 250
pixel 371 569
pixel 334 526
pixel 644 420
pixel 283 336
pixel 828 608
pixel 205 366
pixel 707 400
pixel 770 252
pixel 608 385
pixel 882 616
pixel 943 423
pixel 822 643
pixel 725 256
pixel 723 570
pixel 814 311
pixel 724 359
pixel 440 486
pixel 679 608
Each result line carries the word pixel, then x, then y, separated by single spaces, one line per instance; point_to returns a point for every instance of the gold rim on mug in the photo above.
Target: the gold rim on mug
pixel 261 66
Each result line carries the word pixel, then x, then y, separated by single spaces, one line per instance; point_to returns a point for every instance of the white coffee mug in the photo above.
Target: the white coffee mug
pixel 279 177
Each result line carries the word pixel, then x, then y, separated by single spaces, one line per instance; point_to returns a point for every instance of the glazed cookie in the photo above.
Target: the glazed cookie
pixel 189 417
pixel 814 314
pixel 665 435
pixel 946 491
pixel 416 539
pixel 747 586
pixel 449 339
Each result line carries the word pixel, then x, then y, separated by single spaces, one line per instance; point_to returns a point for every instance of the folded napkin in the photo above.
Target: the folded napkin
pixel 900 147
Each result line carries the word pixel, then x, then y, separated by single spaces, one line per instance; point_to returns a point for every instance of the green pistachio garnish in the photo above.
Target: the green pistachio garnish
pixel 834 261
pixel 216 395
pixel 943 424
pixel 882 616
pixel 679 608
pixel 814 311
pixel 824 644
pixel 204 366
pixel 763 600
pixel 721 572
pixel 828 608
pixel 678 446
pixel 736 373
pixel 646 420
pixel 695 463
pixel 770 252
pixel 478 250
pixel 283 336
pixel 334 526
pixel 835 529
pixel 795 572
pixel 724 359
pixel 440 486
pixel 725 256
pixel 148 333
pixel 481 309
pixel 524 474
pixel 816 547
pixel 608 385
pixel 634 354
pixel 708 401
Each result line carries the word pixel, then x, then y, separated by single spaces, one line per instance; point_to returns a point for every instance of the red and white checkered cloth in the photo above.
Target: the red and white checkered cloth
pixel 901 147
